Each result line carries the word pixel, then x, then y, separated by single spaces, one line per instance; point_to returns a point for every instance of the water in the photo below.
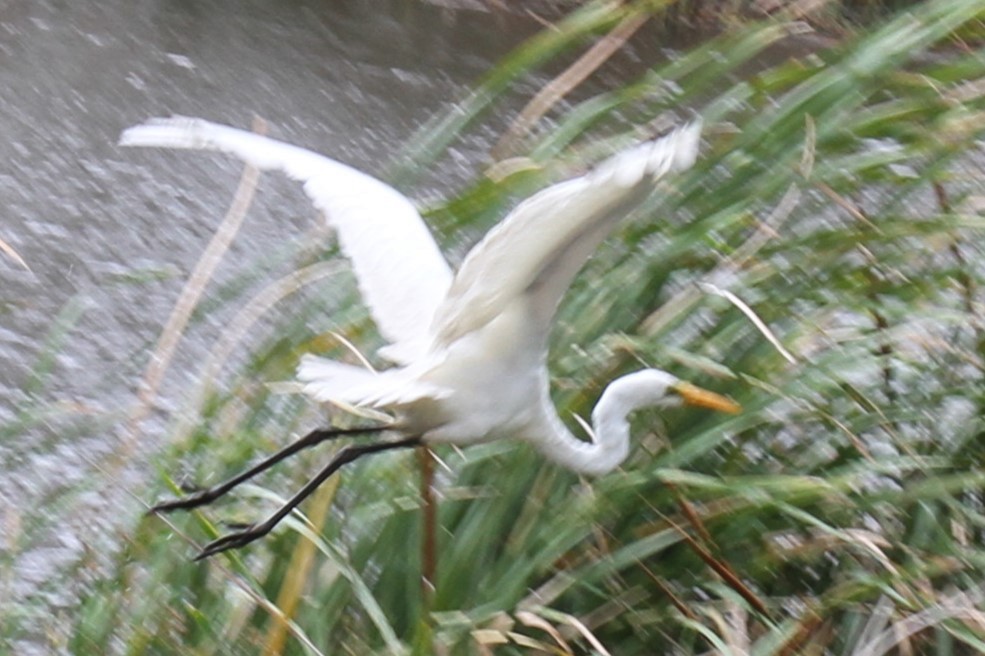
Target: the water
pixel 109 234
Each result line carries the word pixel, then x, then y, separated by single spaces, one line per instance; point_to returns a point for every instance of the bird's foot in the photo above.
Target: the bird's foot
pixel 235 540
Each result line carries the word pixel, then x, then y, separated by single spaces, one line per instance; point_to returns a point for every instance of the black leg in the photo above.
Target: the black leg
pixel 210 494
pixel 254 532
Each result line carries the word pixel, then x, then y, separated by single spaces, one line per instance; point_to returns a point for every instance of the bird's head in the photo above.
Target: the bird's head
pixel 653 387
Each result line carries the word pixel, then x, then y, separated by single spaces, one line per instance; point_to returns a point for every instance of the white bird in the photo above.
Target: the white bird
pixel 470 349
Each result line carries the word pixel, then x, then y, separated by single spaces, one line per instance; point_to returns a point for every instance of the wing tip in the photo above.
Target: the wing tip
pixel 686 141
pixel 173 131
pixel 675 151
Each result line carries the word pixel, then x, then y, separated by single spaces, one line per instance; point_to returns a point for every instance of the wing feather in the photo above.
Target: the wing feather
pixel 541 245
pixel 401 273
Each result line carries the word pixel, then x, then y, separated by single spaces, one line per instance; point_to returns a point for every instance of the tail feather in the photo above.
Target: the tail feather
pixel 327 380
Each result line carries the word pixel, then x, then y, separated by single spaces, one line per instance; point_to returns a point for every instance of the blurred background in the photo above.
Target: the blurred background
pixel 820 264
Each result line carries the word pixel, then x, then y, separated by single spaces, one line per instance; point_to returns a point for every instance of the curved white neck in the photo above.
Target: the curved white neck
pixel 610 424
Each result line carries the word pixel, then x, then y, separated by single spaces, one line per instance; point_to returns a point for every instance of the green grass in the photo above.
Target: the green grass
pixel 841 512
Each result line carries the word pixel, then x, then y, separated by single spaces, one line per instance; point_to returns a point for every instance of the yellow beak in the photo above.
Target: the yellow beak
pixel 694 395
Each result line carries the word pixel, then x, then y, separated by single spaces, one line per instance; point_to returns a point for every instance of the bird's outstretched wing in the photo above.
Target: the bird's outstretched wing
pixel 538 249
pixel 401 273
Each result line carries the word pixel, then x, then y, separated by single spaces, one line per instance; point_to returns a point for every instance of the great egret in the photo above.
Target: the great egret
pixel 470 348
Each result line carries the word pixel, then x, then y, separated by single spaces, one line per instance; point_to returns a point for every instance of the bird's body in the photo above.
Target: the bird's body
pixel 478 388
pixel 469 350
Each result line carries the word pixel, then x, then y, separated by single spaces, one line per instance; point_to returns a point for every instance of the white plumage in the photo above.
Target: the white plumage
pixel 391 250
pixel 471 349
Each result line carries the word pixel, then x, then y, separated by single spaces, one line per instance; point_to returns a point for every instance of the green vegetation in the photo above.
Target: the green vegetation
pixel 837 201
